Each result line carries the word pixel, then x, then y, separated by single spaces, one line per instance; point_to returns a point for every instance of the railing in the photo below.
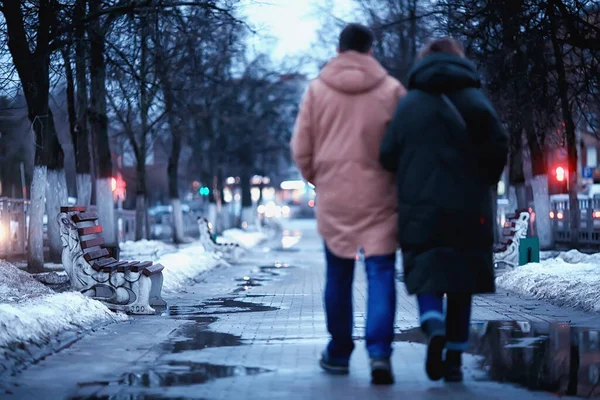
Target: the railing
pixel 589 225
pixel 13 226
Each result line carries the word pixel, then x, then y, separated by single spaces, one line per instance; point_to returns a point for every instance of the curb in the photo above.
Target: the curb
pixel 18 356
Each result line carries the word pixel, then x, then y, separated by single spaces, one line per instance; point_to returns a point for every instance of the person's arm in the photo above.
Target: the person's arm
pixel 389 151
pixel 302 139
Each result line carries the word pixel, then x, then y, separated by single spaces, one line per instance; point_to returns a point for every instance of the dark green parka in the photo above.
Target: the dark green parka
pixel 446 155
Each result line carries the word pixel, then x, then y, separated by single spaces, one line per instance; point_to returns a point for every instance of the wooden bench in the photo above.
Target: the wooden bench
pixel 96 271
pixel 506 254
pixel 228 251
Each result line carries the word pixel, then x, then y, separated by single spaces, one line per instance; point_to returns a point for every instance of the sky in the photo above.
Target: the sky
pixel 287 28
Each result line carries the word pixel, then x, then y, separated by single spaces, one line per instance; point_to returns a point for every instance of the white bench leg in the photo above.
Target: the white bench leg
pixel 156 289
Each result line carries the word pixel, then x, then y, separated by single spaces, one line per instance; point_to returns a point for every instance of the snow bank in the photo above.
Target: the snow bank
pixel 562 281
pixel 16 285
pixel 29 311
pixel 147 248
pixel 185 264
pixel 36 320
pixel 245 239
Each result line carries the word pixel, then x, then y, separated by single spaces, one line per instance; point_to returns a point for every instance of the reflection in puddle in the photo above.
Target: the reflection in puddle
pixel 186 373
pixel 553 357
pixel 193 337
pixel 227 305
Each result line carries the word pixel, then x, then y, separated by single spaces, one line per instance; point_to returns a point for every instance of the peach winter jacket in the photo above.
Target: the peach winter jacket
pixel 336 140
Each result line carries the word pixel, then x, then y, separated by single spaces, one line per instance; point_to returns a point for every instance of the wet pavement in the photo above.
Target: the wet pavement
pixel 254 331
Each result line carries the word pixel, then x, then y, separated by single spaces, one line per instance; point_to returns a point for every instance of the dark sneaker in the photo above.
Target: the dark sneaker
pixel 381 371
pixel 453 373
pixel 333 367
pixel 434 365
pixel 453 369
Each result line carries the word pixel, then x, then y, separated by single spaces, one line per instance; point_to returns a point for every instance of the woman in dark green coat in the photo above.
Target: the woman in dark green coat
pixel 447 148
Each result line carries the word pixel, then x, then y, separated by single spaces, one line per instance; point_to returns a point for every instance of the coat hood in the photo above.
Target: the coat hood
pixel 443 73
pixel 352 72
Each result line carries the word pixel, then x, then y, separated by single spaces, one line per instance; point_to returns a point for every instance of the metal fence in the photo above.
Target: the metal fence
pixel 589 228
pixel 14 224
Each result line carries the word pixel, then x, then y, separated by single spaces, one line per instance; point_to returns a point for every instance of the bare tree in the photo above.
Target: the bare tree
pixel 31 26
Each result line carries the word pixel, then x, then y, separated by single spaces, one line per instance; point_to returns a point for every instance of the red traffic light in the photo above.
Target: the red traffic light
pixel 560 174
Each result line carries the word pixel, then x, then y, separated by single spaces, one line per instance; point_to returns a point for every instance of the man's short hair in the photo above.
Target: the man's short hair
pixel 356 37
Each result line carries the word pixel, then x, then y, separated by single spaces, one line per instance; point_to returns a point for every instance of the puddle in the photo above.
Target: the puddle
pixel 275 266
pixel 135 396
pixel 217 307
pixel 192 337
pixel 185 374
pixel 553 357
pixel 173 373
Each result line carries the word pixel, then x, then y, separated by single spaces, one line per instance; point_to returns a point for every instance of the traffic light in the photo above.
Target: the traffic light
pixel 204 191
pixel 560 183
pixel 560 174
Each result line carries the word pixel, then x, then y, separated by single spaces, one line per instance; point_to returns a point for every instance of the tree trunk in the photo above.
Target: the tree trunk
pixel 99 130
pixel 173 172
pixel 80 135
pixel 247 208
pixel 140 203
pixel 56 196
pixel 35 240
pixel 516 174
pixel 140 217
pixel 33 70
pixel 539 185
pixel 569 124
pixel 494 190
pixel 173 167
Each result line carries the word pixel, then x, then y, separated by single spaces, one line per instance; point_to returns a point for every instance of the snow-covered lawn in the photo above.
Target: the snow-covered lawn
pixel 246 239
pixel 184 265
pixel 569 279
pixel 29 311
pixel 147 248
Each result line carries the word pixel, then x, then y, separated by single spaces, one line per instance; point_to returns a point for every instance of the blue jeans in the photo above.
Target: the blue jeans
pixel 458 315
pixel 381 305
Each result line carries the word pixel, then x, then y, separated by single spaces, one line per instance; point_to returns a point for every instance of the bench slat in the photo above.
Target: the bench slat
pixel 99 267
pixel 95 254
pixel 113 266
pixel 87 216
pixel 68 209
pixel 122 268
pixel 90 230
pixel 508 232
pixel 140 266
pixel 104 261
pixel 509 224
pixel 500 249
pixel 155 269
pixel 506 241
pixel 86 244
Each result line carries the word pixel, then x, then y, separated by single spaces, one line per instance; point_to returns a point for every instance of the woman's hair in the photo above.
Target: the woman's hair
pixel 443 45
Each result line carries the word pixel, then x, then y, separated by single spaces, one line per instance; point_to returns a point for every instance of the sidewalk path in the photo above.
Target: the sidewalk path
pixel 222 340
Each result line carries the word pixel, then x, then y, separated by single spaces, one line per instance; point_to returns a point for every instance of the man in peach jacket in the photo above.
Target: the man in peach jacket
pixel 336 140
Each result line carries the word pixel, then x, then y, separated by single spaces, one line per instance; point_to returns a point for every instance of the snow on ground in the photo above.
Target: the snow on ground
pixel 185 264
pixel 570 279
pixel 29 311
pixel 16 285
pixel 148 248
pixel 245 238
